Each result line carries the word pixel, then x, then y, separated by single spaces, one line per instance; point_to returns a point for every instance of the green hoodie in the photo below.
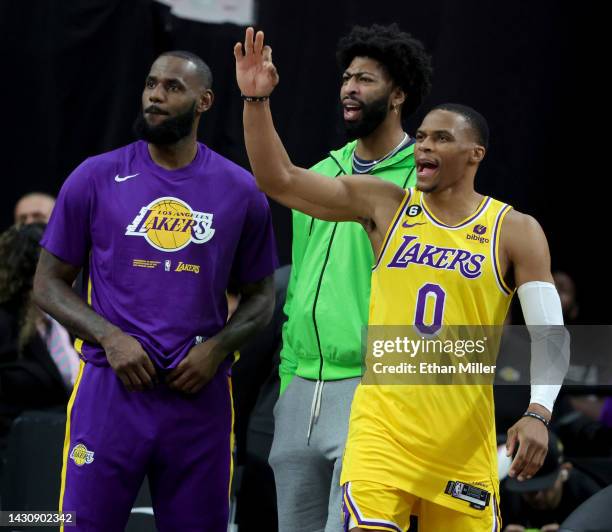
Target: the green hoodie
pixel 329 290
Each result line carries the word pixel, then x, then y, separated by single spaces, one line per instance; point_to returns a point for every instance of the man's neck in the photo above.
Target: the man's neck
pixel 174 156
pixel 455 203
pixel 380 142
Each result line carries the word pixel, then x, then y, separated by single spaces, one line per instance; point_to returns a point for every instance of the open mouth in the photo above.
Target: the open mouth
pixel 426 167
pixel 351 110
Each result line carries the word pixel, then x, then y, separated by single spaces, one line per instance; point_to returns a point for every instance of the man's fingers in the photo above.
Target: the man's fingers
pixel 181 380
pixel 178 371
pixel 150 369
pixel 518 463
pixel 238 54
pixel 134 380
pixel 510 442
pixel 248 42
pixel 267 53
pixel 124 380
pixel 273 72
pixel 191 386
pixel 527 471
pixel 536 462
pixel 143 375
pixel 259 40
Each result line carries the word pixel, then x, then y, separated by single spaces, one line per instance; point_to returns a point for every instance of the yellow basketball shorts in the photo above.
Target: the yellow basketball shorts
pixel 374 506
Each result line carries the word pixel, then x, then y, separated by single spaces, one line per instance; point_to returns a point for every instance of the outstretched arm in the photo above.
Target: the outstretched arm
pixel 336 199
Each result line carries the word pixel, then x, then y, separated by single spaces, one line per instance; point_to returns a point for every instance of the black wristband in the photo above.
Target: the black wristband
pixel 254 98
pixel 537 416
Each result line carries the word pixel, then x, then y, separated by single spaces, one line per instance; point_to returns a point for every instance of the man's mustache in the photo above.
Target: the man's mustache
pixel 154 110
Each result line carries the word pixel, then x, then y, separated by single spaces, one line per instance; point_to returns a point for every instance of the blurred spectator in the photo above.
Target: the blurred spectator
pixel 34 207
pixel 567 293
pixel 544 501
pixel 37 362
pixel 256 384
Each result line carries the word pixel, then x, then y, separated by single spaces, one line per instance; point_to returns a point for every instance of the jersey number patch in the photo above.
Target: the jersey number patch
pixel 429 295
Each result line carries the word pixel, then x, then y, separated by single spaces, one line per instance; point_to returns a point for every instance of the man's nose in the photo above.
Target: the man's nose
pixel 157 94
pixel 424 145
pixel 350 87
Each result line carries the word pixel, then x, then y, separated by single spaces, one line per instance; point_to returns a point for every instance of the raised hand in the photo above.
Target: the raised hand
pixel 255 73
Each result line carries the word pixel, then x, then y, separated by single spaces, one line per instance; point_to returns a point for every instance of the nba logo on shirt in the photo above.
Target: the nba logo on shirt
pixel 167 265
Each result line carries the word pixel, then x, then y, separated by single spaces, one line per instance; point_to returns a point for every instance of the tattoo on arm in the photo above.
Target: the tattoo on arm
pixel 53 293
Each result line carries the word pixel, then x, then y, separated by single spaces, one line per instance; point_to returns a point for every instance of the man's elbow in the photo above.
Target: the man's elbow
pixel 276 182
pixel 266 306
pixel 265 311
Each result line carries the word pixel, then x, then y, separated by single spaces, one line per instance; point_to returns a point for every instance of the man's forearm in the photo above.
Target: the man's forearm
pixel 58 300
pixel 253 313
pixel 269 159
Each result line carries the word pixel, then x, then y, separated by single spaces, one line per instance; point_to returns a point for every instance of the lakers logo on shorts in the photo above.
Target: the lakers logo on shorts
pixel 81 455
pixel 170 224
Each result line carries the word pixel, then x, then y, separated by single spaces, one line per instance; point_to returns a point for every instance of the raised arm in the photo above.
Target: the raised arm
pixel 354 198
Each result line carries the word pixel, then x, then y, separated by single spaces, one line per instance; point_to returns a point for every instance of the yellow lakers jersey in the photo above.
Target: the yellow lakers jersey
pixel 429 276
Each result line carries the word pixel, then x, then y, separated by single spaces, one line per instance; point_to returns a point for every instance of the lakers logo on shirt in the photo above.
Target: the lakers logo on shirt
pixel 413 251
pixel 81 455
pixel 170 224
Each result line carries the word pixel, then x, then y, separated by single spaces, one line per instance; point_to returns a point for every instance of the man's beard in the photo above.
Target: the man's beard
pixel 170 131
pixel 372 115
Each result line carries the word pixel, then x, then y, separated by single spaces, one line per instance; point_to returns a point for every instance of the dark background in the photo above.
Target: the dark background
pixel 73 73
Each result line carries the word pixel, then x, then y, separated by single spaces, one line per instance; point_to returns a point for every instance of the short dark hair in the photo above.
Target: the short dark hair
pixel 202 69
pixel 404 57
pixel 477 122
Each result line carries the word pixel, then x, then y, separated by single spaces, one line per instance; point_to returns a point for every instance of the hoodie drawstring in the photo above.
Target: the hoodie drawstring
pixel 315 408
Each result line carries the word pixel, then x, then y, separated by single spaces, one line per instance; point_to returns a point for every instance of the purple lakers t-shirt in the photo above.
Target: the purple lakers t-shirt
pixel 162 245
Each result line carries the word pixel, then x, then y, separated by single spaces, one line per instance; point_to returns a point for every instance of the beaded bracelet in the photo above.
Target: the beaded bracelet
pixel 537 416
pixel 254 98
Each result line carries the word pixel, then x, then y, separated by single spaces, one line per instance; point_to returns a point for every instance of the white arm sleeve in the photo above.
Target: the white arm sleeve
pixel 550 340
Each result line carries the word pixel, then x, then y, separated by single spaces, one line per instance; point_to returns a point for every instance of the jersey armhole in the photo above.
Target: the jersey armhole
pixel 392 227
pixel 501 283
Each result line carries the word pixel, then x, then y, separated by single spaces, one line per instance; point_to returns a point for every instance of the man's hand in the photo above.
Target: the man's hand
pixel 532 438
pixel 197 368
pixel 255 73
pixel 514 528
pixel 129 361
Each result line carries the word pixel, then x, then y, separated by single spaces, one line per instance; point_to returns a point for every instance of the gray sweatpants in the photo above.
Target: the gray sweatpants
pixel 307 467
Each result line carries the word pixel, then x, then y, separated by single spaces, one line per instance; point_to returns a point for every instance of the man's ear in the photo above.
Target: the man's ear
pixel 478 153
pixel 205 101
pixel 398 98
